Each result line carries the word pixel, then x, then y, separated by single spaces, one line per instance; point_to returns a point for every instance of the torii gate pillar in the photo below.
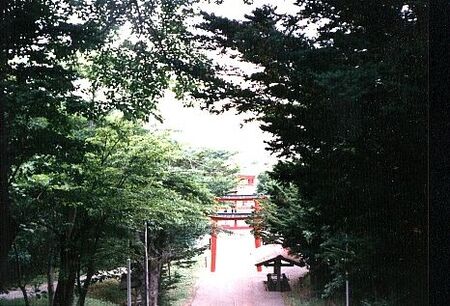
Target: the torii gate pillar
pixel 213 241
pixel 257 237
pixel 213 248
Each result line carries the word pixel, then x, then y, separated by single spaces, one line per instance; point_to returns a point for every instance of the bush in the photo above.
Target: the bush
pixel 108 290
pixel 302 294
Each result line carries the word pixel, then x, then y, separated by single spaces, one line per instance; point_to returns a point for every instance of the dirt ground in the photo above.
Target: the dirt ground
pixel 236 281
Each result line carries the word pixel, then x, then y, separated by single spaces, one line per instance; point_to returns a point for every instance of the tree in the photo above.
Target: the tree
pixel 84 202
pixel 214 168
pixel 348 112
pixel 33 85
pixel 181 216
pixel 49 47
pixel 90 208
pixel 28 259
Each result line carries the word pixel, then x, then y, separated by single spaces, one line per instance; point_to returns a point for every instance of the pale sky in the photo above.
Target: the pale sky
pixel 198 128
pixel 236 9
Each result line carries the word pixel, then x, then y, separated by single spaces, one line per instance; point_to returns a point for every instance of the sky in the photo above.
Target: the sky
pixel 200 129
pixel 197 128
pixel 227 131
pixel 236 9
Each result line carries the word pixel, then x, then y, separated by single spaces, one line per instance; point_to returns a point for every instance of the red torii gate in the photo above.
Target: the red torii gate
pixel 235 216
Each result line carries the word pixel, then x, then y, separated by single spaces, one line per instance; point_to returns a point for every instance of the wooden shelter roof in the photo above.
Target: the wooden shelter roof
pixel 271 252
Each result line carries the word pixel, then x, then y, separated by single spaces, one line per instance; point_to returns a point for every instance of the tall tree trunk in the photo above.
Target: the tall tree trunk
pixel 8 227
pixel 91 264
pixel 68 264
pixel 86 284
pixel 84 290
pixel 19 276
pixel 154 269
pixel 50 272
pixel 66 278
pixel 25 295
pixel 79 286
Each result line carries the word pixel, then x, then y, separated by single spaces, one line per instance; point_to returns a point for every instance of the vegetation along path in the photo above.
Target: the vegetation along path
pixel 236 281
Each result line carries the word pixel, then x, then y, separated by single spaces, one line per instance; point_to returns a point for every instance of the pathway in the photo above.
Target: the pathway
pixel 236 281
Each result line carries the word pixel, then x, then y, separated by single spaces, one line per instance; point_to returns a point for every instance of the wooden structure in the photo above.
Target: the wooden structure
pixel 236 214
pixel 274 255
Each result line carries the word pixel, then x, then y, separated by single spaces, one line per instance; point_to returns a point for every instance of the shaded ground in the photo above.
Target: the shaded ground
pixel 236 281
pixel 17 293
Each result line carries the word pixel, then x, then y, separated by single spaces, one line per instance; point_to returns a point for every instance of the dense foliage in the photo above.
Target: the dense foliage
pixel 347 108
pixel 221 176
pixel 76 182
pixel 83 216
pixel 62 58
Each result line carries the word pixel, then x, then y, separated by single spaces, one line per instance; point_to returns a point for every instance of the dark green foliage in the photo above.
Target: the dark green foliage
pixel 90 209
pixel 37 48
pixel 63 58
pixel 348 112
pixel 108 290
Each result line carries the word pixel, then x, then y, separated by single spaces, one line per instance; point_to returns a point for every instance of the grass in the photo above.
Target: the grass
pixel 95 302
pixel 107 293
pixel 44 302
pixel 302 295
pixel 185 289
pixel 20 302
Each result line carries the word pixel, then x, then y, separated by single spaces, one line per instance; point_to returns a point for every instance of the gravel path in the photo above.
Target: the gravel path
pixel 236 281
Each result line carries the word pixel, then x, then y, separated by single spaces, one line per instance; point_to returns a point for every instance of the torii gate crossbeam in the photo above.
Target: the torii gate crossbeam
pixel 233 216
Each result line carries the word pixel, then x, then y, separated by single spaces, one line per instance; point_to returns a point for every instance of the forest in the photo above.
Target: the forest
pixel 81 172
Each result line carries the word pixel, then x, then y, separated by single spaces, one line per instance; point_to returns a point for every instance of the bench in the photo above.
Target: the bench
pixel 272 282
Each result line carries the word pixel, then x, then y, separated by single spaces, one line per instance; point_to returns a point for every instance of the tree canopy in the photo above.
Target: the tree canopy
pixel 62 58
pixel 88 210
pixel 70 174
pixel 347 108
